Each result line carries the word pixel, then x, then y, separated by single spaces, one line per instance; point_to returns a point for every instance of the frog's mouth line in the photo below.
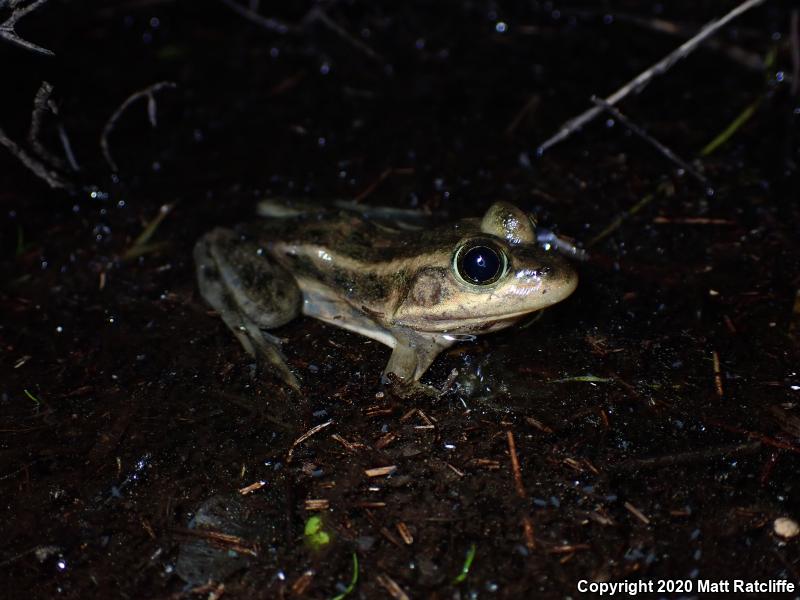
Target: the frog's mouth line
pixel 476 323
pixel 445 323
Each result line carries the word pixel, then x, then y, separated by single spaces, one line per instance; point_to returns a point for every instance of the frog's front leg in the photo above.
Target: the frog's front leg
pixel 250 292
pixel 413 353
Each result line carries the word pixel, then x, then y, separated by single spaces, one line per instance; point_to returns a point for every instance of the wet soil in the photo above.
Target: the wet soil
pixel 647 428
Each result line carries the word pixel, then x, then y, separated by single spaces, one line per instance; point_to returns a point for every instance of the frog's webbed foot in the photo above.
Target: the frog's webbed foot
pixel 408 388
pixel 266 349
pixel 411 357
pixel 242 301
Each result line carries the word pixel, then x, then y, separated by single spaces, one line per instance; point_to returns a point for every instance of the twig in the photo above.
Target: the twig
pixel 404 532
pixel 254 17
pixel 41 104
pixel 219 539
pixel 512 451
pixel 8 33
pixel 65 143
pixel 149 93
pixel 315 14
pixel 745 58
pixel 637 513
pixel 664 150
pixel 380 471
pixel 53 179
pixel 683 458
pixel 640 81
pixel 717 374
pixel 41 161
pixel 249 489
pixel 527 532
pixel 305 436
pixel 391 586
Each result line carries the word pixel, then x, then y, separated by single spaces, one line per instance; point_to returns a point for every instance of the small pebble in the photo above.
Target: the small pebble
pixel 786 527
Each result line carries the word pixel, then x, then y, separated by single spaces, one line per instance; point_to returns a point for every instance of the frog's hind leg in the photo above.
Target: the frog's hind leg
pixel 250 293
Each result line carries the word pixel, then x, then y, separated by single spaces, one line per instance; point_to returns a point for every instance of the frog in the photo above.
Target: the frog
pixel 415 288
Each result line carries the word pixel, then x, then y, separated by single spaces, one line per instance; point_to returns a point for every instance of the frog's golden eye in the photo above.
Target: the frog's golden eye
pixel 480 262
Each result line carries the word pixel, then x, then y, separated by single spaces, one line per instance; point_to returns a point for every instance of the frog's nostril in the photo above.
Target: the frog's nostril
pixel 544 271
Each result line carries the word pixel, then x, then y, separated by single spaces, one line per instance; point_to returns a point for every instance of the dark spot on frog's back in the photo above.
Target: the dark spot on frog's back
pixel 360 285
pixel 255 278
pixel 428 287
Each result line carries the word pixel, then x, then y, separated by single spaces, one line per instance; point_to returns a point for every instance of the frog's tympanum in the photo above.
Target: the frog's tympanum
pixel 416 290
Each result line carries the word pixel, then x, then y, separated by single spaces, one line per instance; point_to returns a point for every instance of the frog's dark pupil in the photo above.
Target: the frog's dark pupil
pixel 480 264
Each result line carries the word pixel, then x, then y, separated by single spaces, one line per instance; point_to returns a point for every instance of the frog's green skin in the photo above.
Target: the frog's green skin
pixel 396 285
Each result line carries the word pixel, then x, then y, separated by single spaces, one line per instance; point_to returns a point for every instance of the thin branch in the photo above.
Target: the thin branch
pixel 251 15
pixel 8 33
pixel 682 458
pixel 65 143
pixel 640 81
pixel 42 104
pixel 149 93
pixel 668 154
pixel 745 58
pixel 53 179
pixel 315 14
pixel 41 161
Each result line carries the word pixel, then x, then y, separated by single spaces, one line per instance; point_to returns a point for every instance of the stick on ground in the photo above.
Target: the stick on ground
pixel 663 149
pixel 640 81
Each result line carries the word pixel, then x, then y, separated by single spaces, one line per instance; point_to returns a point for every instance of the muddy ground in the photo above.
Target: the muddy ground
pixel 654 415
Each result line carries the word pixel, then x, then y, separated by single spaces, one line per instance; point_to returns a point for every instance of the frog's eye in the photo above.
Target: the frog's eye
pixel 480 262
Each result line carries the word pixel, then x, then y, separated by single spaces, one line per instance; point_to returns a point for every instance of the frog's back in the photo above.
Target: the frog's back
pixel 367 262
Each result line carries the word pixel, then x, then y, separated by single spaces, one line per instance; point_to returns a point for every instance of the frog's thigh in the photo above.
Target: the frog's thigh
pixel 249 292
pixel 413 354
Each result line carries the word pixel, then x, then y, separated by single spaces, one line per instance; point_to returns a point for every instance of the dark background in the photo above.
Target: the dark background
pixel 125 405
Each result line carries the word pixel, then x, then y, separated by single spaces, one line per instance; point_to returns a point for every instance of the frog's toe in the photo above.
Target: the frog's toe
pixel 269 355
pixel 404 388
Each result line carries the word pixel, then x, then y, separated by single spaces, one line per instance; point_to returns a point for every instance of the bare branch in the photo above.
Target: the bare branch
pixel 41 104
pixel 65 143
pixel 53 179
pixel 315 14
pixel 43 163
pixel 745 58
pixel 148 93
pixel 640 81
pixel 663 149
pixel 254 17
pixel 7 31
